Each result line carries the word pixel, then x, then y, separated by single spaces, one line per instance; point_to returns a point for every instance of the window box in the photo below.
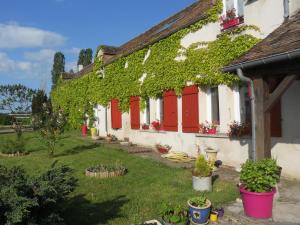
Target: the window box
pixel 212 131
pixel 233 22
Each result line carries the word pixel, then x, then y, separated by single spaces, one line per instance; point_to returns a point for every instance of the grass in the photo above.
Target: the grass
pixel 130 199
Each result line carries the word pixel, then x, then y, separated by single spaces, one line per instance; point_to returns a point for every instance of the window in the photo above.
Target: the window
pixel 116 114
pixel 160 109
pixel 215 115
pixel 238 5
pixel 170 114
pixel 135 112
pixel 190 109
pixel 147 112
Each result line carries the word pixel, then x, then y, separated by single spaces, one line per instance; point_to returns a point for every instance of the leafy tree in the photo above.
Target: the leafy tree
pixel 51 125
pixel 88 56
pixel 37 101
pixel 85 57
pixel 58 67
pixel 16 98
pixel 81 57
pixel 34 200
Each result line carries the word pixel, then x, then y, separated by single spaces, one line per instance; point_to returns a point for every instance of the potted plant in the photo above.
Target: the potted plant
pixel 202 174
pixel 238 129
pixel 163 149
pixel 258 180
pixel 84 127
pixel 156 125
pixel 199 209
pixel 230 19
pixel 145 126
pixel 173 215
pixel 208 128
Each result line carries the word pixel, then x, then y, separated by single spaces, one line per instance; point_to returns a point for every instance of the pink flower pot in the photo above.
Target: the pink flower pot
pixel 212 131
pixel 231 23
pixel 84 129
pixel 257 205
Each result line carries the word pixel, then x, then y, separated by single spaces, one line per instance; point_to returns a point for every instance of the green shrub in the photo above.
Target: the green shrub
pixel 14 146
pixel 260 176
pixel 33 200
pixel 203 168
pixel 5 119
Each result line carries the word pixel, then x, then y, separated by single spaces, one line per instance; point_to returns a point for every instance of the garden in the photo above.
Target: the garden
pixel 137 196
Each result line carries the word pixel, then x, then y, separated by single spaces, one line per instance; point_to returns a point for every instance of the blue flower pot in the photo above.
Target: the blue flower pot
pixel 199 215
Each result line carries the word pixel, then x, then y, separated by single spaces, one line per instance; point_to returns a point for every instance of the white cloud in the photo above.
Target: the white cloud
pixel 74 51
pixel 9 65
pixel 41 55
pixel 13 35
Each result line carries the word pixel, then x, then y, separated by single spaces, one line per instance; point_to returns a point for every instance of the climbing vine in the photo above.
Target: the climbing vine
pixel 132 75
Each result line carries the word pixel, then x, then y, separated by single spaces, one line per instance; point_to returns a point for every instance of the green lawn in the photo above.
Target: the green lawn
pixel 121 200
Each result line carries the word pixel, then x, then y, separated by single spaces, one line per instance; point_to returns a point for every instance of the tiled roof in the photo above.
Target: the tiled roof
pixel 284 39
pixel 180 20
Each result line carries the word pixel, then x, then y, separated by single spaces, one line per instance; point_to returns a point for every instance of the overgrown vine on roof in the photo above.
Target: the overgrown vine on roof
pixel 132 76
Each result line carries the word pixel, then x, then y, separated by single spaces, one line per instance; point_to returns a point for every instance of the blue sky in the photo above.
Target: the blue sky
pixel 32 31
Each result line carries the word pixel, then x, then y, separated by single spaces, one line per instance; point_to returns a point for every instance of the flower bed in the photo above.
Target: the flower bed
pixel 106 171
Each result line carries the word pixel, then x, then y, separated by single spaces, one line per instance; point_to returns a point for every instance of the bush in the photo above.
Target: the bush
pixel 5 119
pixel 33 200
pixel 260 176
pixel 14 146
pixel 203 168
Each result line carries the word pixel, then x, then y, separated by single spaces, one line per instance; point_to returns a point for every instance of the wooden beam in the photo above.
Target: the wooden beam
pixel 278 92
pixel 262 119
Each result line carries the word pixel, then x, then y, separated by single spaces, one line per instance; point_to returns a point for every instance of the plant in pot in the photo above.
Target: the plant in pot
pixel 258 180
pixel 163 149
pixel 199 209
pixel 156 125
pixel 173 215
pixel 237 129
pixel 145 126
pixel 202 174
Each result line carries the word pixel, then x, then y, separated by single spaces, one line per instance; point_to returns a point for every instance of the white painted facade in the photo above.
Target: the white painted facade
pixel 267 15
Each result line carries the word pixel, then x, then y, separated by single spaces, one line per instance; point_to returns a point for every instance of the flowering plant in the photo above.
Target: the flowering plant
pixel 145 126
pixel 208 128
pixel 230 15
pixel 156 124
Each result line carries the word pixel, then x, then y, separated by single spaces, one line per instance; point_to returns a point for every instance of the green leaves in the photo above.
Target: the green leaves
pixel 260 176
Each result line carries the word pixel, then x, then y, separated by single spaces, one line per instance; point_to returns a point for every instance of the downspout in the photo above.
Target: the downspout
pixel 252 153
pixel 286 10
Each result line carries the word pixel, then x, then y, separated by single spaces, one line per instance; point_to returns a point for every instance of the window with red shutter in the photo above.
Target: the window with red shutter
pixel 275 112
pixel 135 112
pixel 190 109
pixel 116 114
pixel 170 118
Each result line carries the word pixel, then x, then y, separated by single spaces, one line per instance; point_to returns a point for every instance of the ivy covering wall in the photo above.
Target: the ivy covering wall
pixel 160 71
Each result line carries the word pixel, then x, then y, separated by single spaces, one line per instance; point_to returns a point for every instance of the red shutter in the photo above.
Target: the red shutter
pixel 116 115
pixel 170 122
pixel 190 111
pixel 275 112
pixel 135 112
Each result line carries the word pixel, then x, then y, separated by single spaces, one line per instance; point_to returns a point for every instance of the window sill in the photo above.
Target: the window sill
pixel 219 135
pixel 153 131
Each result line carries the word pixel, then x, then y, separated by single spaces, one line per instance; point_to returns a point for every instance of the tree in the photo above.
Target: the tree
pixel 88 56
pixel 58 67
pixel 37 101
pixel 51 125
pixel 85 57
pixel 16 98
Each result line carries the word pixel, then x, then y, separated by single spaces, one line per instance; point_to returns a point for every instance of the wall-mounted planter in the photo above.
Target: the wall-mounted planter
pixel 212 131
pixel 231 23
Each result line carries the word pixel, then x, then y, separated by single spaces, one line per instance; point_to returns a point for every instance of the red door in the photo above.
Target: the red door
pixel 190 109
pixel 170 122
pixel 135 112
pixel 116 114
